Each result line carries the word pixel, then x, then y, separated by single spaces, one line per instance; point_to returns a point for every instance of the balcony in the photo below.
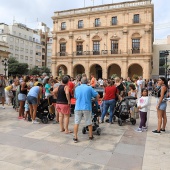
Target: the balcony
pixel 136 21
pixel 63 28
pixel 110 52
pixel 80 26
pixel 136 51
pixel 62 54
pixel 113 23
pixel 97 24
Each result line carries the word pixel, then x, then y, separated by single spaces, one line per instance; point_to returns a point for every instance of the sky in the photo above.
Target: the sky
pixel 29 12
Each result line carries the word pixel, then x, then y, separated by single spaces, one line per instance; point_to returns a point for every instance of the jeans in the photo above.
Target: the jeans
pixel 107 104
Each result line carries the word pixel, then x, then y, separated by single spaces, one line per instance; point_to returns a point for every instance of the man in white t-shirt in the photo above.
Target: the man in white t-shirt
pixel 139 86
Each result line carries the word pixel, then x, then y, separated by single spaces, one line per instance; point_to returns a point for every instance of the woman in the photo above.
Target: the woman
pixel 110 93
pixel 161 105
pixel 121 88
pixel 63 104
pixel 47 88
pixel 22 96
pixel 33 98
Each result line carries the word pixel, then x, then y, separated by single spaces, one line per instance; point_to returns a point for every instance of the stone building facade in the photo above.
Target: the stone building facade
pixel 104 40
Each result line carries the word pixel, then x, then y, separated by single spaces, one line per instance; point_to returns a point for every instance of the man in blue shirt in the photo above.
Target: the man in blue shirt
pixel 83 95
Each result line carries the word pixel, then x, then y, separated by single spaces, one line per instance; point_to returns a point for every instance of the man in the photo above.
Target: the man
pixel 71 87
pixel 139 86
pixel 83 106
pixel 93 81
pixel 2 90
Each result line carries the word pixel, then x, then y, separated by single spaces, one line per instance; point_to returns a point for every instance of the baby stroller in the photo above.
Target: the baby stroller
pixel 122 110
pixel 95 114
pixel 46 111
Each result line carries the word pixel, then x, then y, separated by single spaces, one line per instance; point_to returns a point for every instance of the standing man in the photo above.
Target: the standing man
pixel 2 90
pixel 83 95
pixel 139 86
pixel 93 81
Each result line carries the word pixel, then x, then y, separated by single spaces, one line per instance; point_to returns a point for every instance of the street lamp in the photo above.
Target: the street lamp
pixel 5 63
pixel 166 59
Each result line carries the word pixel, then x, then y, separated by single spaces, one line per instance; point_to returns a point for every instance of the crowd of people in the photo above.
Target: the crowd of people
pixel 25 92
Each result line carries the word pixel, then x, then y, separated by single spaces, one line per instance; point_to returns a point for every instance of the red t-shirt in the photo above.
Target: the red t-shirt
pixel 71 88
pixel 110 92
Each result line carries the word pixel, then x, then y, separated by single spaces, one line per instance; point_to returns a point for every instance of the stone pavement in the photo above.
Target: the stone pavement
pixel 27 146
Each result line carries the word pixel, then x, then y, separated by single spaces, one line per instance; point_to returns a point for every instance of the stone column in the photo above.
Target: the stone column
pixel 70 44
pixel 54 55
pixel 125 41
pixel 146 69
pixel 70 68
pixel 87 69
pixel 124 68
pixel 104 70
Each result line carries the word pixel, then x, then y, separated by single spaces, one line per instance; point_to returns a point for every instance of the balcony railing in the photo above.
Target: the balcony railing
pixel 97 24
pixel 136 51
pixel 136 21
pixel 80 26
pixel 110 52
pixel 62 54
pixel 113 23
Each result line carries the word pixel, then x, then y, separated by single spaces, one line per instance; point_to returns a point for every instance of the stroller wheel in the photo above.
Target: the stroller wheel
pixel 51 116
pixel 84 130
pixel 114 118
pixel 133 121
pixel 120 122
pixel 44 120
pixel 98 131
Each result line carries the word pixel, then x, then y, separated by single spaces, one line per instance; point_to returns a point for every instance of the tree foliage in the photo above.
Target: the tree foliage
pixel 39 71
pixel 14 67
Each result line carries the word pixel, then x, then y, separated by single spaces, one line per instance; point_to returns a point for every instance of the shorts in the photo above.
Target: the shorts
pixel 22 97
pixel 26 107
pixel 163 106
pixel 63 108
pixel 87 115
pixel 2 93
pixel 32 100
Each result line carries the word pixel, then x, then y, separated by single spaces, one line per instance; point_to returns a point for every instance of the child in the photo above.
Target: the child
pixel 27 114
pixel 142 104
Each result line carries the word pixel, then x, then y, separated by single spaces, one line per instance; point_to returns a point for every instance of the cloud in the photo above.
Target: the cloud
pixel 27 11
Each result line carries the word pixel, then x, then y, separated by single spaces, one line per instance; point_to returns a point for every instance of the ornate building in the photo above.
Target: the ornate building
pixel 104 40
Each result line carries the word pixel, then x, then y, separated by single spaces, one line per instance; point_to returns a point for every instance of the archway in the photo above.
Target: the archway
pixel 114 69
pixel 61 70
pixel 78 69
pixel 96 70
pixel 135 69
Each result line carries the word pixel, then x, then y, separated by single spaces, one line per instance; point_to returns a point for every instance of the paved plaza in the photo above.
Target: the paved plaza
pixel 27 146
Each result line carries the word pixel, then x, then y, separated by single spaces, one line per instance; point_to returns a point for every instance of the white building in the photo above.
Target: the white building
pixel 24 43
pixel 49 50
pixel 159 62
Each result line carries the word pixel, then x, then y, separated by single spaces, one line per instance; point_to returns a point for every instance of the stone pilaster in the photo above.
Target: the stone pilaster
pixel 146 69
pixel 124 68
pixel 53 68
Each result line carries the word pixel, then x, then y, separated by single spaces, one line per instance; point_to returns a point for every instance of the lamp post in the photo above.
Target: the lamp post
pixel 5 63
pixel 166 59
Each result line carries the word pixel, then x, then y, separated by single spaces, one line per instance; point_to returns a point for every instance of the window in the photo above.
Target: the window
pixel 11 47
pixel 114 47
pixel 114 20
pixel 22 49
pixel 79 49
pixel 26 57
pixel 1 31
pixel 63 25
pixel 21 57
pixel 96 48
pixel 97 22
pixel 80 24
pixel 135 46
pixel 38 47
pixel 136 18
pixel 62 49
pixel 16 48
pixel 26 50
pixel 162 63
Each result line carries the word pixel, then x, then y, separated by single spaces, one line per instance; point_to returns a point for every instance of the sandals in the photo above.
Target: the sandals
pixel 91 138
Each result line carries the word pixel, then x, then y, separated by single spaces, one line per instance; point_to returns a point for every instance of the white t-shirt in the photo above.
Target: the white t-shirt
pixel 143 102
pixel 139 84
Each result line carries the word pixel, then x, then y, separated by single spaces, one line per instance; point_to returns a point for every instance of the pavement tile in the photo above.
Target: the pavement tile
pixel 38 134
pixel 68 151
pixel 76 165
pixel 17 141
pixel 125 162
pixel 51 162
pixel 43 146
pixel 135 150
pixel 9 166
pixel 95 156
pixel 20 131
pixel 6 150
pixel 24 157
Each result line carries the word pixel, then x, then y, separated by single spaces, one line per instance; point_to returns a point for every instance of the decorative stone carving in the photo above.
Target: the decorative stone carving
pixel 79 39
pixel 105 32
pixel 54 36
pixel 125 30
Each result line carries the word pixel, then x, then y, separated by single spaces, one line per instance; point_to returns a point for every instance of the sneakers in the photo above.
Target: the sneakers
pixel 3 107
pixel 35 122
pixel 75 140
pixel 144 128
pixel 162 130
pixel 156 132
pixel 138 130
